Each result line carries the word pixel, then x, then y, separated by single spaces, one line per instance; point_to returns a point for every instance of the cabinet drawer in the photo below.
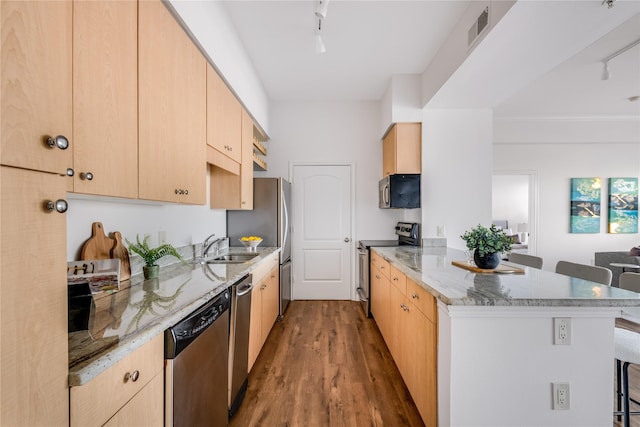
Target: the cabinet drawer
pixel 423 300
pixel 399 279
pixel 264 268
pixel 95 402
pixel 380 263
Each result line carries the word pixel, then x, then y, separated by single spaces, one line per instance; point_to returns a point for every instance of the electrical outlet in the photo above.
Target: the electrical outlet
pixel 162 237
pixel 561 396
pixel 562 330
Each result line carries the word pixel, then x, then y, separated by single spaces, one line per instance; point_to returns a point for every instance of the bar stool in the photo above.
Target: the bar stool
pixel 526 259
pixel 586 272
pixel 627 351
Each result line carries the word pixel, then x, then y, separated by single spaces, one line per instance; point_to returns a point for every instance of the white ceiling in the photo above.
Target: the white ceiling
pixel 366 41
pixel 369 41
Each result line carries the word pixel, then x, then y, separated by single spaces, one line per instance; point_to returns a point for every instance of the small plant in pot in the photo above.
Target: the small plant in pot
pixel 151 255
pixel 487 244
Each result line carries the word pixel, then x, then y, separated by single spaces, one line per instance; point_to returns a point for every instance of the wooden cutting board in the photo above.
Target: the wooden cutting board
pixel 500 269
pixel 121 253
pixel 98 246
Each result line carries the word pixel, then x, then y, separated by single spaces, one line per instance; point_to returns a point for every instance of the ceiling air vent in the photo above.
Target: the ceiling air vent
pixel 477 27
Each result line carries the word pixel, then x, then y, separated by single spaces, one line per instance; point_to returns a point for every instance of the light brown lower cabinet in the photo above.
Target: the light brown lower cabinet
pixel 131 392
pixel 406 317
pixel 264 305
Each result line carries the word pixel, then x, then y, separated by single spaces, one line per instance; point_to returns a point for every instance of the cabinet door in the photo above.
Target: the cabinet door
pixel 402 149
pixel 36 84
pixel 231 190
pixel 420 366
pixel 380 296
pixel 389 153
pixel 172 109
pixel 145 409
pixel 270 301
pixel 33 301
pixel 223 117
pixel 105 98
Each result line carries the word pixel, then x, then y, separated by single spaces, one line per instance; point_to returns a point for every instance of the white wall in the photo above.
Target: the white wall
pixel 183 224
pixel 457 167
pixel 510 199
pixel 555 165
pixel 335 131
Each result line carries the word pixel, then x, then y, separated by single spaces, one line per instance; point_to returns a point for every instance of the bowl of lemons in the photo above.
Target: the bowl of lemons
pixel 251 242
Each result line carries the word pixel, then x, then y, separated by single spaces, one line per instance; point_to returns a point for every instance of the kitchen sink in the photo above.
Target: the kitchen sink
pixel 227 259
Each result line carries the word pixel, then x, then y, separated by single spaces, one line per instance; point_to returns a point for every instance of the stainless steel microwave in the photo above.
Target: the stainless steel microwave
pixel 399 191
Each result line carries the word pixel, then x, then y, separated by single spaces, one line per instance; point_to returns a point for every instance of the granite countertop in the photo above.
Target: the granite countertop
pixel 123 321
pixel 432 269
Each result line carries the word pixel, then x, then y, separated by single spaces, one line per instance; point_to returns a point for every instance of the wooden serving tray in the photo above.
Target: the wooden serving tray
pixel 500 269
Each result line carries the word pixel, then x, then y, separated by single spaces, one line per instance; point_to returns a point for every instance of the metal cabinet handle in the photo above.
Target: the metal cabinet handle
pixel 377 277
pixel 395 279
pixel 180 191
pixel 59 141
pixel 414 296
pixel 86 175
pixel 133 376
pixel 59 205
pixel 347 240
pixel 70 172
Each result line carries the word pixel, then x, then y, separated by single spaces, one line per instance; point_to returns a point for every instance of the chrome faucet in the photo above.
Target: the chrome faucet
pixel 209 242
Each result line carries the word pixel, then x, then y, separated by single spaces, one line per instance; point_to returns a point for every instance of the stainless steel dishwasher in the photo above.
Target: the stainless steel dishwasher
pixel 196 369
pixel 239 342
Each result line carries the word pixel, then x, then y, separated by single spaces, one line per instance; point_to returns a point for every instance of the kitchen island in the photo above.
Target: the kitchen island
pixel 496 357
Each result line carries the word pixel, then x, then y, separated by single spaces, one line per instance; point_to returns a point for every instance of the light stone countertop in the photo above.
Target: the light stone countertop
pixel 432 269
pixel 123 321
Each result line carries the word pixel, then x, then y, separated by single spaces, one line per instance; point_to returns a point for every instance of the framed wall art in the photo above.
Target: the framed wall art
pixel 585 205
pixel 623 205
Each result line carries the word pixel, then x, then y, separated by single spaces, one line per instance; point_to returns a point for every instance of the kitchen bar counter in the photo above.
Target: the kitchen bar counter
pixel 125 320
pixel 432 268
pixel 497 351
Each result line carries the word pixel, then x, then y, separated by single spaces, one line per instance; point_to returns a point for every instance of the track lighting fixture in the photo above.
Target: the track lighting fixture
pixel 321 9
pixel 606 75
pixel 320 15
pixel 609 3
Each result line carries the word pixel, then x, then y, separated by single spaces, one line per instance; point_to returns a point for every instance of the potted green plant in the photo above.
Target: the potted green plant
pixel 487 244
pixel 151 255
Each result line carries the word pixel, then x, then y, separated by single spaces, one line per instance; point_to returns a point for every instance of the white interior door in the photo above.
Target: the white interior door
pixel 321 239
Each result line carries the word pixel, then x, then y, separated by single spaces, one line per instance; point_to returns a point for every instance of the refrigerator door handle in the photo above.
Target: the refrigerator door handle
pixel 286 220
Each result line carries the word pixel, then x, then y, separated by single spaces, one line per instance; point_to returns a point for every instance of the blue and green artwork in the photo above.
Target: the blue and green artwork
pixel 623 205
pixel 585 205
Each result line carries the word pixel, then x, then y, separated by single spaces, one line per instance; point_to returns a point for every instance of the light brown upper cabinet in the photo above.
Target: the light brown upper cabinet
pixel 223 117
pixel 172 109
pixel 105 98
pixel 231 190
pixel 402 149
pixel 36 85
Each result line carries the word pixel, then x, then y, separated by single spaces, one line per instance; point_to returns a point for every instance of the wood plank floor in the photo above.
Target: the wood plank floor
pixel 325 364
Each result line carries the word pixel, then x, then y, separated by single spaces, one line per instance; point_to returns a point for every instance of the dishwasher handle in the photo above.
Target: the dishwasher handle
pixel 244 289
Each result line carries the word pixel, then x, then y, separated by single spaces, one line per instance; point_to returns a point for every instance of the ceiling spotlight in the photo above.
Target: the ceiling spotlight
pixel 605 71
pixel 320 47
pixel 321 9
pixel 609 3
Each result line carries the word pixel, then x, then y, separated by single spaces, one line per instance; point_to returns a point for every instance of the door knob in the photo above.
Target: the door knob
pixel 347 240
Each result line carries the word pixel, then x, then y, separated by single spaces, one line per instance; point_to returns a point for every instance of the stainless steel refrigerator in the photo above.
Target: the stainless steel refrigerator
pixel 269 219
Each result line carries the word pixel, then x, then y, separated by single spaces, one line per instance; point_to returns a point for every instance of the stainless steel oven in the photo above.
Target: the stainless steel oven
pixel 408 234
